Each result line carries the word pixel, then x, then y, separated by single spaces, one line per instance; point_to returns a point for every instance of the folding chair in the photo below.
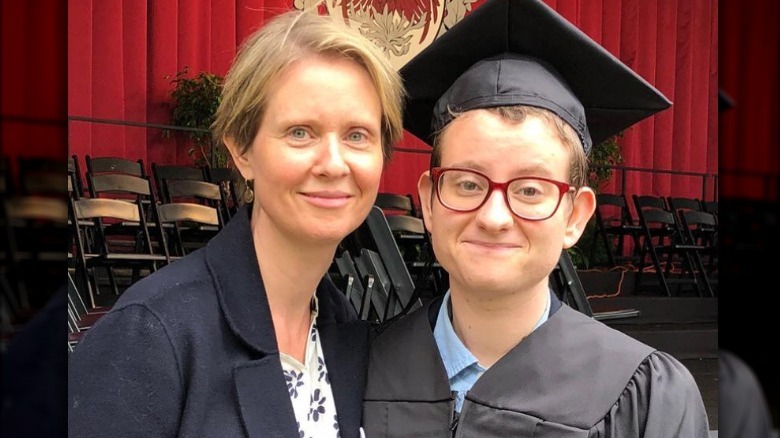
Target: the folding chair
pixel 163 174
pixel 394 203
pixel 82 317
pixel 193 226
pixel 701 229
pixel 225 178
pixel 99 165
pixel 375 236
pixel 132 188
pixel 74 330
pixel 412 239
pixel 613 224
pixel 353 284
pixel 35 236
pixel 661 236
pixel 40 176
pixel 653 202
pixel 567 285
pixel 76 184
pixel 711 207
pixel 74 333
pixel 129 188
pixel 415 245
pixel 381 297
pixel 140 254
pixel 74 172
pixel 649 201
pixel 198 192
pixel 677 203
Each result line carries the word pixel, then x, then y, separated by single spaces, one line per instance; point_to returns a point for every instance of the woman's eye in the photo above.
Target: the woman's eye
pixel 298 133
pixel 356 136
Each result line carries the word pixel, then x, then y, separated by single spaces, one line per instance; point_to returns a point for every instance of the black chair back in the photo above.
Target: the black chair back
pixel 100 165
pixel 165 173
pixel 614 223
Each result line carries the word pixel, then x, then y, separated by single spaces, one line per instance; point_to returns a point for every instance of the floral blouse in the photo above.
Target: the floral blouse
pixel 309 387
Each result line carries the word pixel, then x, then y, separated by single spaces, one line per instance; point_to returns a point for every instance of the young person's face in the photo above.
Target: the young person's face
pixel 316 160
pixel 490 250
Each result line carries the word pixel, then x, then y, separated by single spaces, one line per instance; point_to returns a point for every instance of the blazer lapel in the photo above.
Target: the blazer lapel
pixel 261 392
pixel 345 347
pixel 232 262
pixel 263 400
pixel 262 395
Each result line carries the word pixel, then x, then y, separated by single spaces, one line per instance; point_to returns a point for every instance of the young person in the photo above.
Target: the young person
pixel 512 99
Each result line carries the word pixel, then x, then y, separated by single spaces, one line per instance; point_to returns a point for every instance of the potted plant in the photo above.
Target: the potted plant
pixel 195 101
pixel 603 155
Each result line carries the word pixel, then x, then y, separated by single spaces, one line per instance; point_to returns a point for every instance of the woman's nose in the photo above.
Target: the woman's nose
pixel 331 160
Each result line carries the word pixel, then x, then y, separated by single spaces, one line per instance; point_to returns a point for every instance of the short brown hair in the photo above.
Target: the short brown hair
pixel 284 39
pixel 578 169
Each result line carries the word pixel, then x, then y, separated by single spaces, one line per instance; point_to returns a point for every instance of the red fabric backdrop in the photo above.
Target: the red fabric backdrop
pixel 749 37
pixel 119 54
pixel 32 79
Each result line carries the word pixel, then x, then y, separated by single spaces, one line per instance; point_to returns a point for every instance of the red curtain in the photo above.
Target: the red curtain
pixel 32 79
pixel 120 53
pixel 749 76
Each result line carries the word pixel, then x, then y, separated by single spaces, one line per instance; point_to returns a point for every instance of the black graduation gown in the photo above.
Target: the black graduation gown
pixel 572 377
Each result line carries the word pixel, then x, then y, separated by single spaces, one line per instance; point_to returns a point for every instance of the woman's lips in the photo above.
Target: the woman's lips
pixel 327 199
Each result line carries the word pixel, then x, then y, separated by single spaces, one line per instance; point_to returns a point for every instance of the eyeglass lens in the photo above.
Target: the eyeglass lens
pixel 529 198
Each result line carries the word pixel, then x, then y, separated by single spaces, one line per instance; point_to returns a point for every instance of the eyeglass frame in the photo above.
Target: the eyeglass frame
pixel 563 189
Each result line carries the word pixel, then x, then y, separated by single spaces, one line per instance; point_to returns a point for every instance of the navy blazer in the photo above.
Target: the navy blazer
pixel 190 351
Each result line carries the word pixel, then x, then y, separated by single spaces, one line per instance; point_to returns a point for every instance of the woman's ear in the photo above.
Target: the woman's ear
pixel 424 189
pixel 583 207
pixel 240 159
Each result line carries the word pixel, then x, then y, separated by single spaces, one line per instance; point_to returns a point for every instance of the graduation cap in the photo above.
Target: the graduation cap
pixel 522 52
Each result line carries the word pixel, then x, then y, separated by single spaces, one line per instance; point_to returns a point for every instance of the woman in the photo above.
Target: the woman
pixel 245 337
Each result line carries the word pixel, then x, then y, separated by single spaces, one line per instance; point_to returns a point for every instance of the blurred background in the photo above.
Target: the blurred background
pixel 749 185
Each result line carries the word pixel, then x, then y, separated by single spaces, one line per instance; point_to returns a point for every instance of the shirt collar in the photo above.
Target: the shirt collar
pixel 455 356
pixel 545 314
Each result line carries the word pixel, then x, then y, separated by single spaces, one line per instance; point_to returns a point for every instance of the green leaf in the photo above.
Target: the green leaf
pixel 195 100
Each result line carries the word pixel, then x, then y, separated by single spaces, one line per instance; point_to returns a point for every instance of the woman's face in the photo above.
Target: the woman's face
pixel 316 160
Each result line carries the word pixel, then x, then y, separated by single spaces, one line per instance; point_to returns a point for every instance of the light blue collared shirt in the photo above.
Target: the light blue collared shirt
pixel 463 369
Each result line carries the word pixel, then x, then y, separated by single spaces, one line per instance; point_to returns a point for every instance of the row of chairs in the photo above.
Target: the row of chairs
pixel 216 185
pixel 370 268
pixel 32 238
pixel 34 176
pixel 122 227
pixel 405 221
pixel 670 231
pixel 378 265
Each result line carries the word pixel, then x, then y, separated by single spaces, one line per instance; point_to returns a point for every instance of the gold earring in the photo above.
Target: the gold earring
pixel 249 194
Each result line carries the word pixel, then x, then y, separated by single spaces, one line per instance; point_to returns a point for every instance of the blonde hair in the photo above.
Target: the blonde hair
pixel 281 41
pixel 578 167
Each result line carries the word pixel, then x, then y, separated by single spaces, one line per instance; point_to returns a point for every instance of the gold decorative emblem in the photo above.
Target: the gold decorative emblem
pixel 401 28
